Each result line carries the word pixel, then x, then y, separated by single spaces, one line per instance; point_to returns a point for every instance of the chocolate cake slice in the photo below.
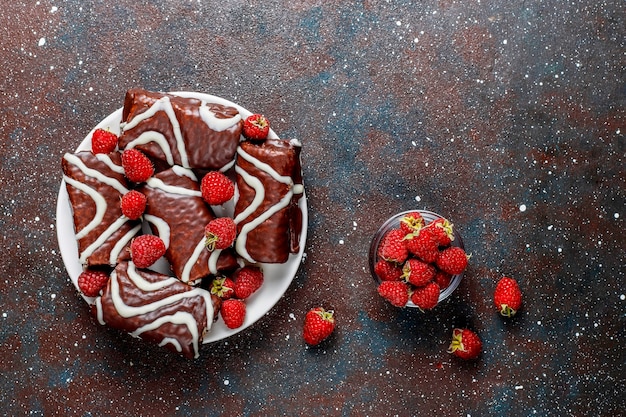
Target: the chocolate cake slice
pixel 95 185
pixel 157 308
pixel 269 183
pixel 178 214
pixel 180 131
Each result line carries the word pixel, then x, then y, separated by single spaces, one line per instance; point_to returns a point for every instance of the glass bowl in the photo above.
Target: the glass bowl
pixel 394 223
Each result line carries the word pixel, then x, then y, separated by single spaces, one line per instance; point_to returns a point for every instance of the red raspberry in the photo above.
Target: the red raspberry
pixel 393 247
pixel 318 325
pixel 216 188
pixel 452 260
pixel 223 287
pixel 396 292
pixel 233 313
pixel 247 280
pixel 507 297
pixel 145 250
pixel 426 297
pixel 388 271
pixel 423 245
pixel 133 204
pixel 256 127
pixel 103 141
pixel 220 233
pixel 465 344
pixel 411 222
pixel 442 279
pixel 137 166
pixel 417 272
pixel 91 281
pixel 442 231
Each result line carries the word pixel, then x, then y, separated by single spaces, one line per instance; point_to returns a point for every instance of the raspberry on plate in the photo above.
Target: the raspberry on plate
pixel 216 188
pixel 222 287
pixel 92 281
pixel 133 204
pixel 220 233
pixel 233 313
pixel 247 281
pixel 145 250
pixel 137 167
pixel 103 141
pixel 256 127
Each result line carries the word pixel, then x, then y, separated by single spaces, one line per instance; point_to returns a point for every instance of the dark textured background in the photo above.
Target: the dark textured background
pixel 472 109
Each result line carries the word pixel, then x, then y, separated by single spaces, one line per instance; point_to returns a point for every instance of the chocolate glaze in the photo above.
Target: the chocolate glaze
pixel 206 148
pixel 274 239
pixel 187 217
pixel 84 207
pixel 122 289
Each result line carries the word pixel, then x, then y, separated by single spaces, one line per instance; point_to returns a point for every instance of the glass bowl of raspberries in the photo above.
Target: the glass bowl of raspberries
pixel 417 259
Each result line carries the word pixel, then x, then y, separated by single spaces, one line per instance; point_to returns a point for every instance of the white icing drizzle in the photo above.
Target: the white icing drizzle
pixel 192 260
pixel 180 318
pixel 214 123
pixel 227 166
pixel 173 342
pixel 114 227
pixel 184 172
pixel 172 189
pixel 259 194
pixel 212 262
pixel 99 312
pixel 106 159
pixel 158 138
pixel 121 244
pixel 75 160
pixel 264 167
pixel 162 227
pixel 145 285
pixel 163 104
pixel 101 206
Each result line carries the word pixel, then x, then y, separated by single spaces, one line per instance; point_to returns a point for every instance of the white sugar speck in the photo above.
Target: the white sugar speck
pixel 226 382
pixel 6 315
pixel 504 42
pixel 292 316
pixel 54 9
pixel 53 296
pixel 522 207
pixel 341 242
pixel 418 198
pixel 616 215
pixel 42 41
pixel 518 387
pixel 621 297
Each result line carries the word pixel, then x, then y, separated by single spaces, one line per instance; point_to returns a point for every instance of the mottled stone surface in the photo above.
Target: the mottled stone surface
pixel 507 117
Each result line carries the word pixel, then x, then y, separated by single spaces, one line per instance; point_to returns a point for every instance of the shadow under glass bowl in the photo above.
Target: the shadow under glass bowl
pixel 394 223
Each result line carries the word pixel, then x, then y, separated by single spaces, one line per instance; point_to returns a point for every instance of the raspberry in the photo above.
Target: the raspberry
pixel 465 344
pixel 507 297
pixel 220 233
pixel 442 231
pixel 92 281
pixel 387 271
pixel 396 292
pixel 393 247
pixel 247 281
pixel 216 188
pixel 233 313
pixel 452 260
pixel 256 127
pixel 223 287
pixel 318 325
pixel 145 250
pixel 411 222
pixel 137 166
pixel 423 245
pixel 442 279
pixel 133 204
pixel 426 297
pixel 103 141
pixel 417 272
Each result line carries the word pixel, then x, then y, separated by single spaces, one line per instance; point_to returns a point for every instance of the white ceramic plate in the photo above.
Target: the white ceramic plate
pixel 278 277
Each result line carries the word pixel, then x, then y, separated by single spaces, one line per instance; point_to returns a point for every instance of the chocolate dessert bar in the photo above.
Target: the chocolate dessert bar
pixel 180 131
pixel 269 183
pixel 156 308
pixel 95 185
pixel 178 214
